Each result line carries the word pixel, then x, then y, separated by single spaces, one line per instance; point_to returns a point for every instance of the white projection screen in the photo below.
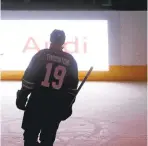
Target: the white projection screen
pixel 86 40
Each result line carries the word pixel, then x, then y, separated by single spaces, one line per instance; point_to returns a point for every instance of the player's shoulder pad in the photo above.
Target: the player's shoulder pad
pixel 43 51
pixel 74 60
pixel 71 57
pixel 40 53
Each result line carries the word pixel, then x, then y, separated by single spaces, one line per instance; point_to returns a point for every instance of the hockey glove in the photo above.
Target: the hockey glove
pixel 71 99
pixel 21 100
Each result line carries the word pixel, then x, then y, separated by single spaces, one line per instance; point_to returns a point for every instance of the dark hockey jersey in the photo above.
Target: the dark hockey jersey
pixel 50 77
pixel 52 70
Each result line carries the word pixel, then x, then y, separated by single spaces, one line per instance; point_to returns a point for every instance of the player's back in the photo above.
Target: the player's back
pixel 56 71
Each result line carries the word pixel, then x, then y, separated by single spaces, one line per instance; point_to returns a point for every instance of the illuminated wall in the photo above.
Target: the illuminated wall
pixel 25 39
pixel 122 48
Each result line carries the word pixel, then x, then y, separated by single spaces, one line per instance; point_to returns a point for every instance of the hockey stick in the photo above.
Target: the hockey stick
pixel 84 80
pixel 82 83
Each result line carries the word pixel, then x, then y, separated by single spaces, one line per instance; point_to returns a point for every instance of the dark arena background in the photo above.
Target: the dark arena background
pixel 111 36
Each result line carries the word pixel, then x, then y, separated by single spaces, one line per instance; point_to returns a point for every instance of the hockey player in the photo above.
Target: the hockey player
pixel 51 80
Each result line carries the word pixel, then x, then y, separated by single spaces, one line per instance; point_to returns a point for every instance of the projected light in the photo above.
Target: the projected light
pixel 86 40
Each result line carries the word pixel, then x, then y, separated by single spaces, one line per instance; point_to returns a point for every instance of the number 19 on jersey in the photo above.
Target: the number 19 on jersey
pixel 58 69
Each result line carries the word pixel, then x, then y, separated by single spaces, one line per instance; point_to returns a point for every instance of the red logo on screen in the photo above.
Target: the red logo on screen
pixel 76 45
